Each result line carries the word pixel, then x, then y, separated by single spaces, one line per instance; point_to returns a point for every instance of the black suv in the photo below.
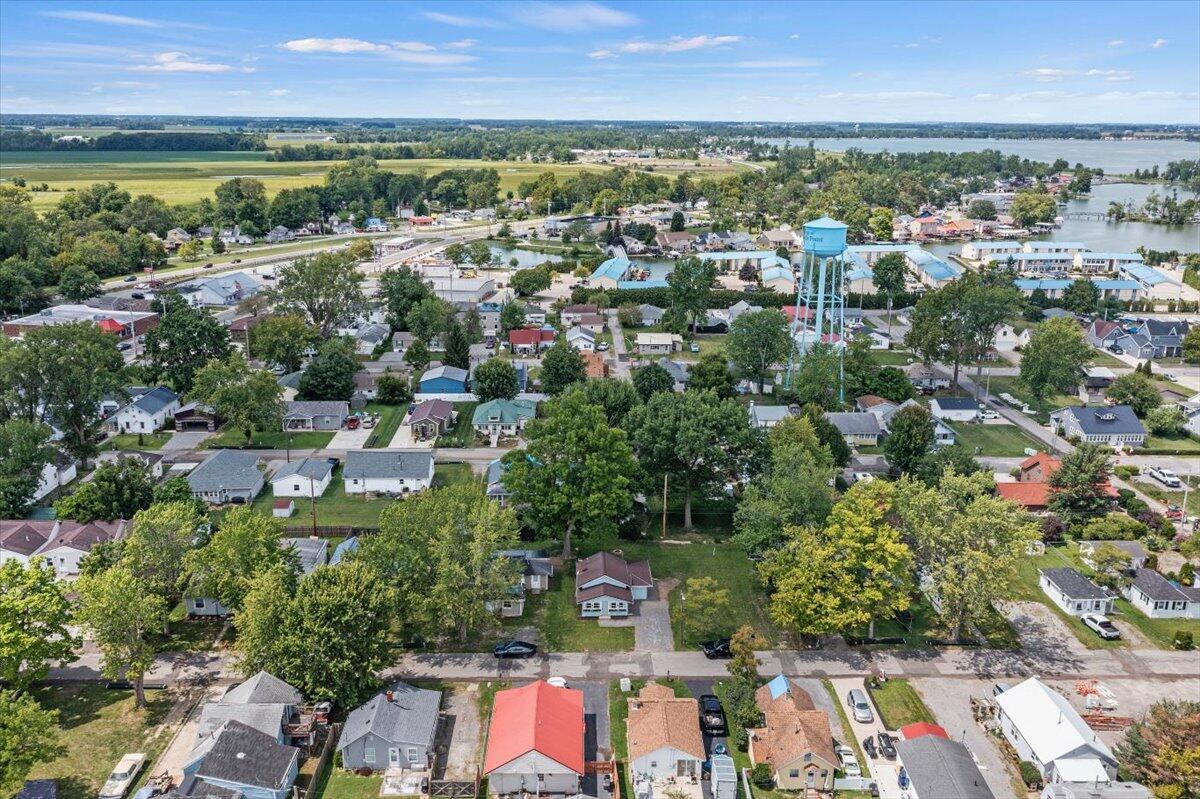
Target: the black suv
pixel 712 715
pixel 716 649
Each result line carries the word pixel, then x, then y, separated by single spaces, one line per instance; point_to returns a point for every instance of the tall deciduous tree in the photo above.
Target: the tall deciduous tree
pixel 652 379
pixel 496 379
pixel 330 375
pixel 690 286
pixel 24 451
pixel 575 477
pixel 283 340
pixel 616 397
pixel 401 289
pixel 757 341
pixel 28 736
pixel 910 437
pixel 711 373
pixel 116 491
pixel 1135 390
pixel 889 272
pixel 705 608
pixel 243 202
pixel 35 619
pixel 1054 357
pixel 120 611
pixel 158 544
pixel 1079 488
pixel 562 366
pixel 325 289
pixel 694 439
pixel 186 338
pixel 1159 748
pixel 245 545
pixel 78 283
pixel 249 399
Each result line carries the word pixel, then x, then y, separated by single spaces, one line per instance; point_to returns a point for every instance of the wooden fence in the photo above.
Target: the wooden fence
pixel 323 762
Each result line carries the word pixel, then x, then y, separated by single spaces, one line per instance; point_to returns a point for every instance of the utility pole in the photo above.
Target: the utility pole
pixel 312 501
pixel 664 508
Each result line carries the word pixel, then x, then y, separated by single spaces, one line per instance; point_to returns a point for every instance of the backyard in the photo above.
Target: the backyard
pixel 994 440
pixel 97 727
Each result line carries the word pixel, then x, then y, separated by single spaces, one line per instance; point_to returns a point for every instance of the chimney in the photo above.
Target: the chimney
pixel 389 695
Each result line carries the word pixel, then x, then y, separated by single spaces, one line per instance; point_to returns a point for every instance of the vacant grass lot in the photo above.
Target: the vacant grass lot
pixel 899 704
pixel 994 440
pixel 390 417
pixel 1011 385
pixel 340 784
pixel 1026 588
pixel 1181 445
pixel 97 727
pixel 270 439
pixel 127 441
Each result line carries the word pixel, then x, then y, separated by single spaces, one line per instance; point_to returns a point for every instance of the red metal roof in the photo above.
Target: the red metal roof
pixel 110 326
pixel 536 718
pixel 920 728
pixel 529 336
pixel 1030 495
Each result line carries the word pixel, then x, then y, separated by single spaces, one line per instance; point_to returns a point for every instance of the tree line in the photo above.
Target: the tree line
pixel 24 139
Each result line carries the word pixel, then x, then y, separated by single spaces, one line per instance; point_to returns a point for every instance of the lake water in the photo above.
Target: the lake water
pixel 526 259
pixel 1114 157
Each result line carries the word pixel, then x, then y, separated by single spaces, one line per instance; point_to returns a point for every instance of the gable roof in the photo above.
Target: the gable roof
pixel 956 403
pixel 434 409
pixel 267 718
pixel 84 536
pixel 938 767
pixel 343 549
pixel 1048 462
pixel 536 718
pixel 609 564
pixel 309 551
pixel 1105 419
pixel 529 336
pixel 411 717
pixel 154 400
pixel 502 411
pixel 312 468
pixel 449 372
pixel 226 468
pixel 306 409
pixel 364 464
pixel 1073 584
pixel 1048 723
pixel 1026 494
pixel 245 756
pixel 262 688
pixel 24 537
pixel 854 423
pixel 657 718
pixel 1159 588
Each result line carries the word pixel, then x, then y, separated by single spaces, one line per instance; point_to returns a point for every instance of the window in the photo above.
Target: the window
pixel 414 754
pixel 295 486
pixel 198 603
pixel 369 754
pixel 794 773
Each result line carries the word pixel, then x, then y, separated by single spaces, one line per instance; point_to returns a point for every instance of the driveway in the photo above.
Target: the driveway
pixel 187 439
pixel 461 732
pixel 404 439
pixel 1043 634
pixel 883 771
pixel 350 439
pixel 950 702
pixel 652 624
pixel 621 356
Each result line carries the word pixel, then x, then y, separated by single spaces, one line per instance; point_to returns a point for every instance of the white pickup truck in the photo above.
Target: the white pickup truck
pixel 1165 476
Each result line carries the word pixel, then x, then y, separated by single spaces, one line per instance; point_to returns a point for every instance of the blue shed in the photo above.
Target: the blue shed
pixel 444 380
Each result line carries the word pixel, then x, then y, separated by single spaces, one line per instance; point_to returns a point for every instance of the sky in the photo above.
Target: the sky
pixel 1136 62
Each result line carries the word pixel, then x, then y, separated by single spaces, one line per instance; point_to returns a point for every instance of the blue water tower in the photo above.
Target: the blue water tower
pixel 825 237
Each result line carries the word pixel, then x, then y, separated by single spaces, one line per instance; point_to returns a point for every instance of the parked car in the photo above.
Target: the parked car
pixel 129 279
pixel 848 760
pixel 123 776
pixel 863 477
pixel 712 715
pixel 515 649
pixel 716 649
pixel 1101 626
pixel 268 276
pixel 1116 350
pixel 1174 512
pixel 1165 476
pixel 137 295
pixel 694 347
pixel 869 750
pixel 860 705
pixel 720 749
pixel 124 345
pixel 207 265
pixel 887 746
pixel 987 413
pixel 602 346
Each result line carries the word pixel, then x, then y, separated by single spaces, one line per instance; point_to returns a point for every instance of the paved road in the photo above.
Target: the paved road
pixel 621 368
pixel 477 457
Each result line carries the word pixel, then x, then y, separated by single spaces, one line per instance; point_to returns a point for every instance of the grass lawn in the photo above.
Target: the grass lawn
pixel 341 784
pixel 560 627
pixel 128 441
pixel 892 357
pixel 462 434
pixel 1102 358
pixel 271 439
pixel 995 440
pixel 453 473
pixel 97 727
pixel 1155 490
pixel 708 343
pixel 899 704
pixel 189 635
pixel 724 562
pixel 1182 445
pixel 390 417
pixel 1011 385
pixel 1026 588
pixel 847 734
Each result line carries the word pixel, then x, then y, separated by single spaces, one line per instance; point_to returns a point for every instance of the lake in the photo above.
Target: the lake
pixel 1114 157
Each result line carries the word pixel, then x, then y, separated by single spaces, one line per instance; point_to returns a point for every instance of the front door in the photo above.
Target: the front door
pixel 394 756
pixel 812 779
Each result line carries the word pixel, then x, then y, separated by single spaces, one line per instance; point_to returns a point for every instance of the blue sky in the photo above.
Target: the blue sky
pixel 899 61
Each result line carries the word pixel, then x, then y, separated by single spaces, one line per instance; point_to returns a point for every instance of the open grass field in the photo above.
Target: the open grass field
pixel 1011 385
pixel 97 726
pixel 899 704
pixel 337 783
pixel 993 440
pixel 130 441
pixel 271 439
pixel 184 177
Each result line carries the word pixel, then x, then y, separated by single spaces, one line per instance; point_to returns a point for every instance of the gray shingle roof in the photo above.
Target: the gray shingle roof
pixel 226 468
pixel 1160 589
pixel 245 756
pixel 309 408
pixel 1073 584
pixel 452 372
pixel 1106 420
pixel 956 403
pixel 155 400
pixel 941 768
pixel 361 464
pixel 266 718
pixel 312 468
pixel 262 688
pixel 311 553
pixel 853 423
pixel 410 718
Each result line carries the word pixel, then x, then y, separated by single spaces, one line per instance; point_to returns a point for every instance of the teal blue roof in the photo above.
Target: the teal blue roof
pixel 779 686
pixel 502 411
pixel 1117 285
pixel 825 223
pixel 777 273
pixel 642 284
pixel 1032 284
pixel 1144 274
pixel 613 269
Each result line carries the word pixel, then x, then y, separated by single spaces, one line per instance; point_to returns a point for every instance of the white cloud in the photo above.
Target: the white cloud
pixel 602 54
pixel 103 19
pixel 1048 74
pixel 912 45
pixel 182 62
pixel 1158 43
pixel 408 52
pixel 279 92
pixel 679 44
pixel 339 45
pixel 1116 42
pixel 794 36
pixel 572 16
pixel 461 44
pixel 1111 74
pixel 238 92
pixel 777 63
pixel 461 21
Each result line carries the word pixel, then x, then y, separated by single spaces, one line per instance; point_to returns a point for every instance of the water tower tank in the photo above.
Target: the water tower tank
pixel 825 237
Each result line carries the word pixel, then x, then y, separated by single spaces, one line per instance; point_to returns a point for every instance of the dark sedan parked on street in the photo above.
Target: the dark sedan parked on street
pixel 515 649
pixel 716 649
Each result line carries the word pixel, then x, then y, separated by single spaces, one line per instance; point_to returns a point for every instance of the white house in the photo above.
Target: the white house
pixel 1009 338
pixel 663 734
pixel 146 411
pixel 535 741
pixel 72 541
pixel 1074 593
pixel 1159 598
pixel 54 476
pixel 954 409
pixel 658 343
pixel 582 339
pixel 1044 729
pixel 308 477
pixel 377 471
pixel 607 585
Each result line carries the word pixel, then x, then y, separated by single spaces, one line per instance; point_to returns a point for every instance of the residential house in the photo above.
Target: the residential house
pixel 1097 378
pixel 679 371
pixel 396 728
pixel 146 411
pixel 1096 789
pixel 279 234
pixel 263 702
pixel 779 237
pixel 195 416
pixel 227 475
pixel 1034 497
pixel 63 543
pixel 153 461
pixel 607 585
pixel 594 366
pixel 582 339
pixel 937 767
pixel 537 569
pixel 233 235
pixel 1134 549
pixel 1008 338
pixel 343 550
pixel 1043 728
pixel 663 734
pixel 1160 598
pixel 651 314
pixel 489 317
pixel 658 343
pixel 444 380
pixel 675 241
pixel 307 477
pixel 429 419
pixel 1115 425
pixel 535 741
pixel 1165 336
pixel 366 386
pixel 290 383
pixel 369 337
pixel 859 429
pixel 387 472
pixel 222 290
pixel 501 417
pixel 176 236
pixel 593 322
pixel 496 490
pixel 1074 593
pixel 1103 334
pixel 310 552
pixel 926 378
pixel 314 415
pixel 795 739
pixel 763 416
pixel 530 340
pixel 402 340
pixel 954 409
pixel 241 761
pixel 571 314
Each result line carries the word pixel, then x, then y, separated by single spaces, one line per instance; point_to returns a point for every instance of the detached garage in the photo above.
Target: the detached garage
pixel 954 409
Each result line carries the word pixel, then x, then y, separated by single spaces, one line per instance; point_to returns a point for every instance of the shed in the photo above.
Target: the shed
pixel 724 777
